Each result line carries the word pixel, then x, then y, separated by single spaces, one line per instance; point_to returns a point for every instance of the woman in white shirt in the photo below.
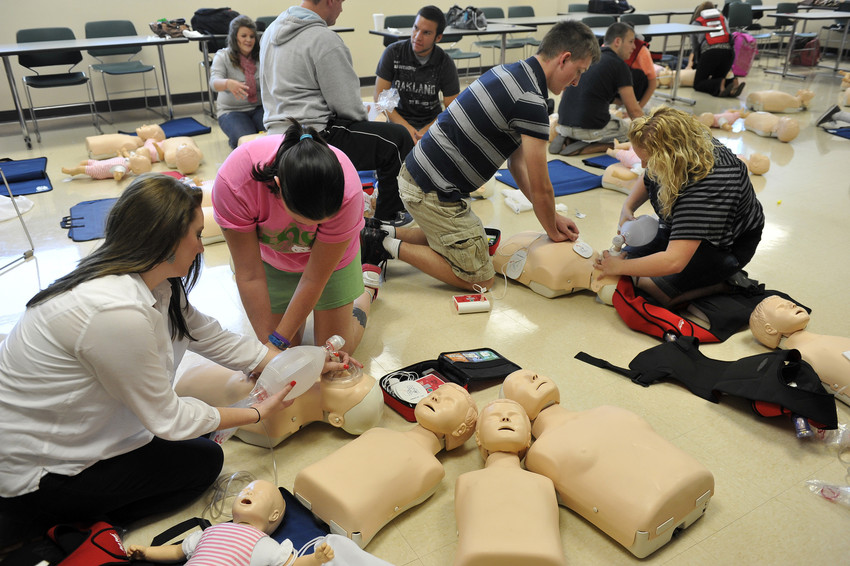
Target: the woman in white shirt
pixel 91 426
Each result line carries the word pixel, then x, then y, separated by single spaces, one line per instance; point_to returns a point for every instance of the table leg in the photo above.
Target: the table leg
pixel 166 86
pixel 784 72
pixel 664 46
pixel 843 42
pixel 672 96
pixel 206 53
pixel 11 78
pixel 504 48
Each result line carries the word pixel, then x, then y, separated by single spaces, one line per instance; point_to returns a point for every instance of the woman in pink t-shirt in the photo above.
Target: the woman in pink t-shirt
pixel 291 210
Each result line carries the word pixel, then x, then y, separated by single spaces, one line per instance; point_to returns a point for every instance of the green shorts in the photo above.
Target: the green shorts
pixel 343 287
pixel 451 228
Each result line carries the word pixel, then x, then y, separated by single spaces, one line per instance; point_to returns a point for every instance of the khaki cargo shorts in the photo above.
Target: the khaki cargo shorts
pixel 452 230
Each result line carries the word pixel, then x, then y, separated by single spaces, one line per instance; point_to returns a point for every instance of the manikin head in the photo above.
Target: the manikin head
pixel 805 95
pixel 139 163
pixel 787 129
pixel 776 317
pixel 150 131
pixel 449 412
pixel 351 401
pixel 757 163
pixel 188 159
pixel 533 391
pixel 260 505
pixel 503 426
pixel 706 118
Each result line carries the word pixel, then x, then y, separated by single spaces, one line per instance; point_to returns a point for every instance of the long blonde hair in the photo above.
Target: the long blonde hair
pixel 680 151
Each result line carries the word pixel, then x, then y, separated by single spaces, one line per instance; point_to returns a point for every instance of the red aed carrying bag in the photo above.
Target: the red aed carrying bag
pixel 712 18
pixel 96 545
pixel 643 316
pixel 404 388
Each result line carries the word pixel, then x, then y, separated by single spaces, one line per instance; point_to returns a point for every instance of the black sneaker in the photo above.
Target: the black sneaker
pixel 400 219
pixel 372 222
pixel 827 116
pixel 371 246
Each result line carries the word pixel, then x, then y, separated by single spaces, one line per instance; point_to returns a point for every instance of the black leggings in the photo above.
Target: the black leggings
pixel 158 477
pixel 381 146
pixel 712 68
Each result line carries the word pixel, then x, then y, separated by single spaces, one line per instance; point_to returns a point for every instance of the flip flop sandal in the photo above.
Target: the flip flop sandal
pixel 727 91
pixel 737 92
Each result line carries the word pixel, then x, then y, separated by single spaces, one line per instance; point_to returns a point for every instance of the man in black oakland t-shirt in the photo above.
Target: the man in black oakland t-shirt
pixel 420 70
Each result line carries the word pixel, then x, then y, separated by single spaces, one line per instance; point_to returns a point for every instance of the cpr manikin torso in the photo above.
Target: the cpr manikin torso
pixel 769 125
pixel 111 145
pixel 776 318
pixel 778 101
pixel 182 153
pixel 722 120
pixel 609 466
pixel 365 484
pixel 506 516
pixel 352 402
pixel 549 268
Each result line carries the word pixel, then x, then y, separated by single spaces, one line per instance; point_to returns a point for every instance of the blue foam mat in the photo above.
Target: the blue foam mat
pixel 367 179
pixel 299 525
pixel 87 220
pixel 566 179
pixel 26 176
pixel 600 161
pixel 841 132
pixel 179 127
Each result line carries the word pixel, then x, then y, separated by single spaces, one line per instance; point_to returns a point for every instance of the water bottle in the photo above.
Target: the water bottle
pixel 301 364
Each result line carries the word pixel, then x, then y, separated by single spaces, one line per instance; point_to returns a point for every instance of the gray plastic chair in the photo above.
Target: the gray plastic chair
pixel 598 21
pixel 495 13
pixel 127 66
pixel 68 59
pixel 264 21
pixel 523 12
pixel 458 54
pixel 784 25
pixel 837 27
pixel 397 22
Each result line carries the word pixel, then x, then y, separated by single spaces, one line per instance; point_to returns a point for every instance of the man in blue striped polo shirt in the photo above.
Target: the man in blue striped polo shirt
pixel 502 115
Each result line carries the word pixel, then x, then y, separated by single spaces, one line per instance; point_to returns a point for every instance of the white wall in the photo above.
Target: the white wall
pixel 182 60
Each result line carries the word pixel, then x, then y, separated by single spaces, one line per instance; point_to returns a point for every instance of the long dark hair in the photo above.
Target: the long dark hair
pixel 233 52
pixel 143 230
pixel 312 182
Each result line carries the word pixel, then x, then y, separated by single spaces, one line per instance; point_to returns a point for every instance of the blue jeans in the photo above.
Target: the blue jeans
pixel 238 124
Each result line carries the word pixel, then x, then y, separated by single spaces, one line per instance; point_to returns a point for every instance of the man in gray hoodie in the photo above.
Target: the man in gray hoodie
pixel 306 73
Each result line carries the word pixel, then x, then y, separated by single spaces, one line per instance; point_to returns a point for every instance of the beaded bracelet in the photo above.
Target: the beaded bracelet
pixel 278 341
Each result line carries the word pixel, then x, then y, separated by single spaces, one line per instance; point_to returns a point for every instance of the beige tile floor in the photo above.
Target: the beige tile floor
pixel 762 512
